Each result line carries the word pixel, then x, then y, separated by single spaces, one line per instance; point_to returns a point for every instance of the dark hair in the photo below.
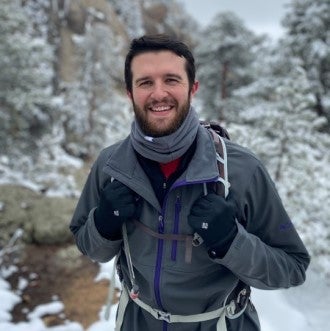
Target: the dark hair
pixel 159 42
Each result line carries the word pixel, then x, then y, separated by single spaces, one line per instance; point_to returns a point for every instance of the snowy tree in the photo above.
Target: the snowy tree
pixel 308 36
pixel 30 130
pixel 94 101
pixel 278 123
pixel 179 23
pixel 26 72
pixel 224 56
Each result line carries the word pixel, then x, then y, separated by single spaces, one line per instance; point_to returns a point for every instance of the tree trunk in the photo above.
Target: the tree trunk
pixel 224 77
pixel 223 88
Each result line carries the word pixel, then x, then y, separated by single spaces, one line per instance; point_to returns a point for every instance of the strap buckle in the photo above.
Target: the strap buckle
pixel 238 306
pixel 163 316
pixel 197 240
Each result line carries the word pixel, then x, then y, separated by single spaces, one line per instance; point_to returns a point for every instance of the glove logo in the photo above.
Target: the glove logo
pixel 116 212
pixel 205 225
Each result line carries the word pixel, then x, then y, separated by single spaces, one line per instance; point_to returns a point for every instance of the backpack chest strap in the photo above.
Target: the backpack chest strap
pixel 188 239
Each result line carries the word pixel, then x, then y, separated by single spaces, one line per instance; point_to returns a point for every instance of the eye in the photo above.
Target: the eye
pixel 172 81
pixel 145 83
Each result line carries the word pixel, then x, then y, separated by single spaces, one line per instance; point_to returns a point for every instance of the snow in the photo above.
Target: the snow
pixel 48 308
pixel 8 300
pixel 277 307
pixel 302 308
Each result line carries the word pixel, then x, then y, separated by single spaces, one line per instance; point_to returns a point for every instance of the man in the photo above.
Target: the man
pixel 149 195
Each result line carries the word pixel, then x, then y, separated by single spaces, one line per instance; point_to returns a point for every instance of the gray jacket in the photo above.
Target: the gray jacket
pixel 266 253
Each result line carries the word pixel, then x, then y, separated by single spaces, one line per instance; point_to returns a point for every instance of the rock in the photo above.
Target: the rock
pixel 68 258
pixel 50 218
pixel 45 220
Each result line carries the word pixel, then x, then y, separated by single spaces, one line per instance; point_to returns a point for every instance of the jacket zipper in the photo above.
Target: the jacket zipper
pixel 159 260
pixel 176 227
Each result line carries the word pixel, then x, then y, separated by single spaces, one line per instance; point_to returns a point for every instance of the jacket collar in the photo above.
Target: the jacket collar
pixel 203 166
pixel 124 166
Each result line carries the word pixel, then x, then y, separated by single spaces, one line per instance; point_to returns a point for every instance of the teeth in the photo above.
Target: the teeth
pixel 161 108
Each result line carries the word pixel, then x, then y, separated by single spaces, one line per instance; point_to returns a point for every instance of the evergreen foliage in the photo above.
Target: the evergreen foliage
pixel 308 37
pixel 26 110
pixel 278 123
pixel 225 54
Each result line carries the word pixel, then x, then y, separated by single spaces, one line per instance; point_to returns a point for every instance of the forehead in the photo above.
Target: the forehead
pixel 153 62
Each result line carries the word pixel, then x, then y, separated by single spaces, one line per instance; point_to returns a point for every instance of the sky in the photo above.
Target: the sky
pixel 260 16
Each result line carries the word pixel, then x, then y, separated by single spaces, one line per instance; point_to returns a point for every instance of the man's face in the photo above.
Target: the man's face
pixel 160 92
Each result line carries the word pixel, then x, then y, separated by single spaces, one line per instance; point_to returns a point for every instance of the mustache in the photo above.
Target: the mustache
pixel 166 101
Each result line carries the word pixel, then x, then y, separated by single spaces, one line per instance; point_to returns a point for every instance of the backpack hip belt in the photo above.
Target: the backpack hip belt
pixel 228 310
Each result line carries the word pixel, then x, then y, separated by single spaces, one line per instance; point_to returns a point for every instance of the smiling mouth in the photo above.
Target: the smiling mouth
pixel 159 109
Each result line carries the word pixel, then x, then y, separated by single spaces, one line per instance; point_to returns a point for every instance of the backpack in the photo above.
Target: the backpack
pixel 218 132
pixel 240 295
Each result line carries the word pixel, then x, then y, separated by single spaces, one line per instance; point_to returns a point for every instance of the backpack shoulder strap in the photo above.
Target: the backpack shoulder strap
pixel 240 295
pixel 217 128
pixel 218 133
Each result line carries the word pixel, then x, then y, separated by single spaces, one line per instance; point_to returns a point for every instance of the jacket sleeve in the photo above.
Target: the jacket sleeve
pixel 267 253
pixel 87 238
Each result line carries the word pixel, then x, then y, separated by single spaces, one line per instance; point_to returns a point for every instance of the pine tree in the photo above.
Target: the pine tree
pixel 224 56
pixel 278 123
pixel 26 74
pixel 95 108
pixel 308 36
pixel 31 133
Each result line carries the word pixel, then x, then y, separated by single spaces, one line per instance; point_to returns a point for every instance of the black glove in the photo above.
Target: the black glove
pixel 117 204
pixel 213 218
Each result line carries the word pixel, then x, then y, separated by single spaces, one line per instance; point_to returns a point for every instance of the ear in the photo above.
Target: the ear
pixel 194 88
pixel 129 94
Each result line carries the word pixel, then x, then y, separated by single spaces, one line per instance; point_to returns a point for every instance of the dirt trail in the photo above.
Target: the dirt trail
pixel 60 272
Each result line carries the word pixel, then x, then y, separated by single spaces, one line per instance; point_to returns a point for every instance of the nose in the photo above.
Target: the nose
pixel 159 91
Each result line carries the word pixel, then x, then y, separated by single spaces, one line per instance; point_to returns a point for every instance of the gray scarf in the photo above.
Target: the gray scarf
pixel 167 148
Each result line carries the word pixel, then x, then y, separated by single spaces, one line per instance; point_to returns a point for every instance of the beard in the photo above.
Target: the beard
pixel 152 129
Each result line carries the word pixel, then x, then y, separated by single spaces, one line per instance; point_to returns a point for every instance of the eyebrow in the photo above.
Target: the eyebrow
pixel 141 79
pixel 174 76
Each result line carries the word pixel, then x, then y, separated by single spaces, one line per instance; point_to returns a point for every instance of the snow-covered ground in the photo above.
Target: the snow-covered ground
pixel 305 308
